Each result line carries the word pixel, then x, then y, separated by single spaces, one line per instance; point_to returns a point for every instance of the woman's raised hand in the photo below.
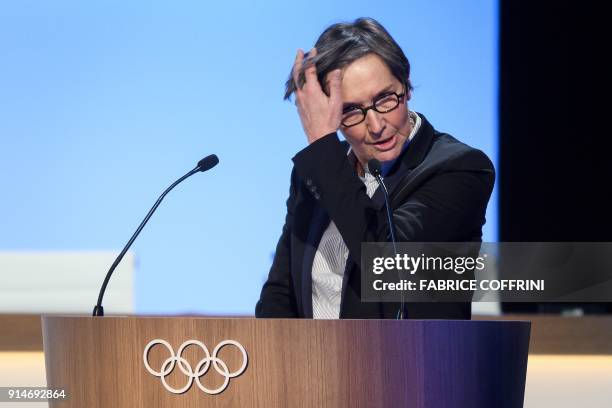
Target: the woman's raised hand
pixel 320 114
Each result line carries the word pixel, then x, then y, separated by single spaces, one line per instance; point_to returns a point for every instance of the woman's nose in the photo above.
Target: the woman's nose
pixel 374 121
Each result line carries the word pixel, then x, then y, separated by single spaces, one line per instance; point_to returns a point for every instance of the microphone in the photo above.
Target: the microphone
pixel 375 168
pixel 205 164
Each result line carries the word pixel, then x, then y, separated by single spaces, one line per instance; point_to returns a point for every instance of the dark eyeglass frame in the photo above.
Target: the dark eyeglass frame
pixel 365 110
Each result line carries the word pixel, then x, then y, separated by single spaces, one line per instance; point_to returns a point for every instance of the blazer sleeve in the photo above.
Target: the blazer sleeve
pixel 277 297
pixel 450 202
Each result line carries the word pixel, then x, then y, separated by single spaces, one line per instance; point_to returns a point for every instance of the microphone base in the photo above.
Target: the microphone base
pixel 98 311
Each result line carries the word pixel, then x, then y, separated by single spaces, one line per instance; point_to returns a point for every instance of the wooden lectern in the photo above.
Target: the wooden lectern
pixel 244 362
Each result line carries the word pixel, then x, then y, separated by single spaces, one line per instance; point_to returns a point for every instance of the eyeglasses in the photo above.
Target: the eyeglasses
pixel 354 115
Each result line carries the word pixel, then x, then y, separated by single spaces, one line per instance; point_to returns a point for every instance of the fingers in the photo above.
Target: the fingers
pixel 310 73
pixel 299 58
pixel 334 80
pixel 319 117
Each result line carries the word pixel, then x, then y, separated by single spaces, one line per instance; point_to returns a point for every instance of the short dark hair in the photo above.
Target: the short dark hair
pixel 343 43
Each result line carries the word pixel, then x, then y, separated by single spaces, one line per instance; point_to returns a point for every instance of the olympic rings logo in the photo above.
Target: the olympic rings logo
pixel 219 365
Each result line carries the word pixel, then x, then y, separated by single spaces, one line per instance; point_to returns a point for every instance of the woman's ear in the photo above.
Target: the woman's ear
pixel 407 96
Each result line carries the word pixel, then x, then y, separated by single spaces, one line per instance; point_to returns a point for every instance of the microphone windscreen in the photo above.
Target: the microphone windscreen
pixel 374 167
pixel 208 162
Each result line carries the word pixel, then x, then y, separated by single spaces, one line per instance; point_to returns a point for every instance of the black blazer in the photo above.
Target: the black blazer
pixel 439 188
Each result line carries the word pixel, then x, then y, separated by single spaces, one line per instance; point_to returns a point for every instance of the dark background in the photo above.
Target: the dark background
pixel 554 174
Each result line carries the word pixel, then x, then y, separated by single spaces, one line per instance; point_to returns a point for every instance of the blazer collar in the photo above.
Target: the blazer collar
pixel 419 145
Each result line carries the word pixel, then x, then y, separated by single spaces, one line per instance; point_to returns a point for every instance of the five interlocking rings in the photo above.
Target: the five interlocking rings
pixel 201 369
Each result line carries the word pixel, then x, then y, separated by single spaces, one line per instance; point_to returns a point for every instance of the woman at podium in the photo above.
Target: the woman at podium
pixel 356 80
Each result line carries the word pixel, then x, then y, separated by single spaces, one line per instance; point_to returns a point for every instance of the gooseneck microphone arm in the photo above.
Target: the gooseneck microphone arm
pixel 205 164
pixel 375 168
